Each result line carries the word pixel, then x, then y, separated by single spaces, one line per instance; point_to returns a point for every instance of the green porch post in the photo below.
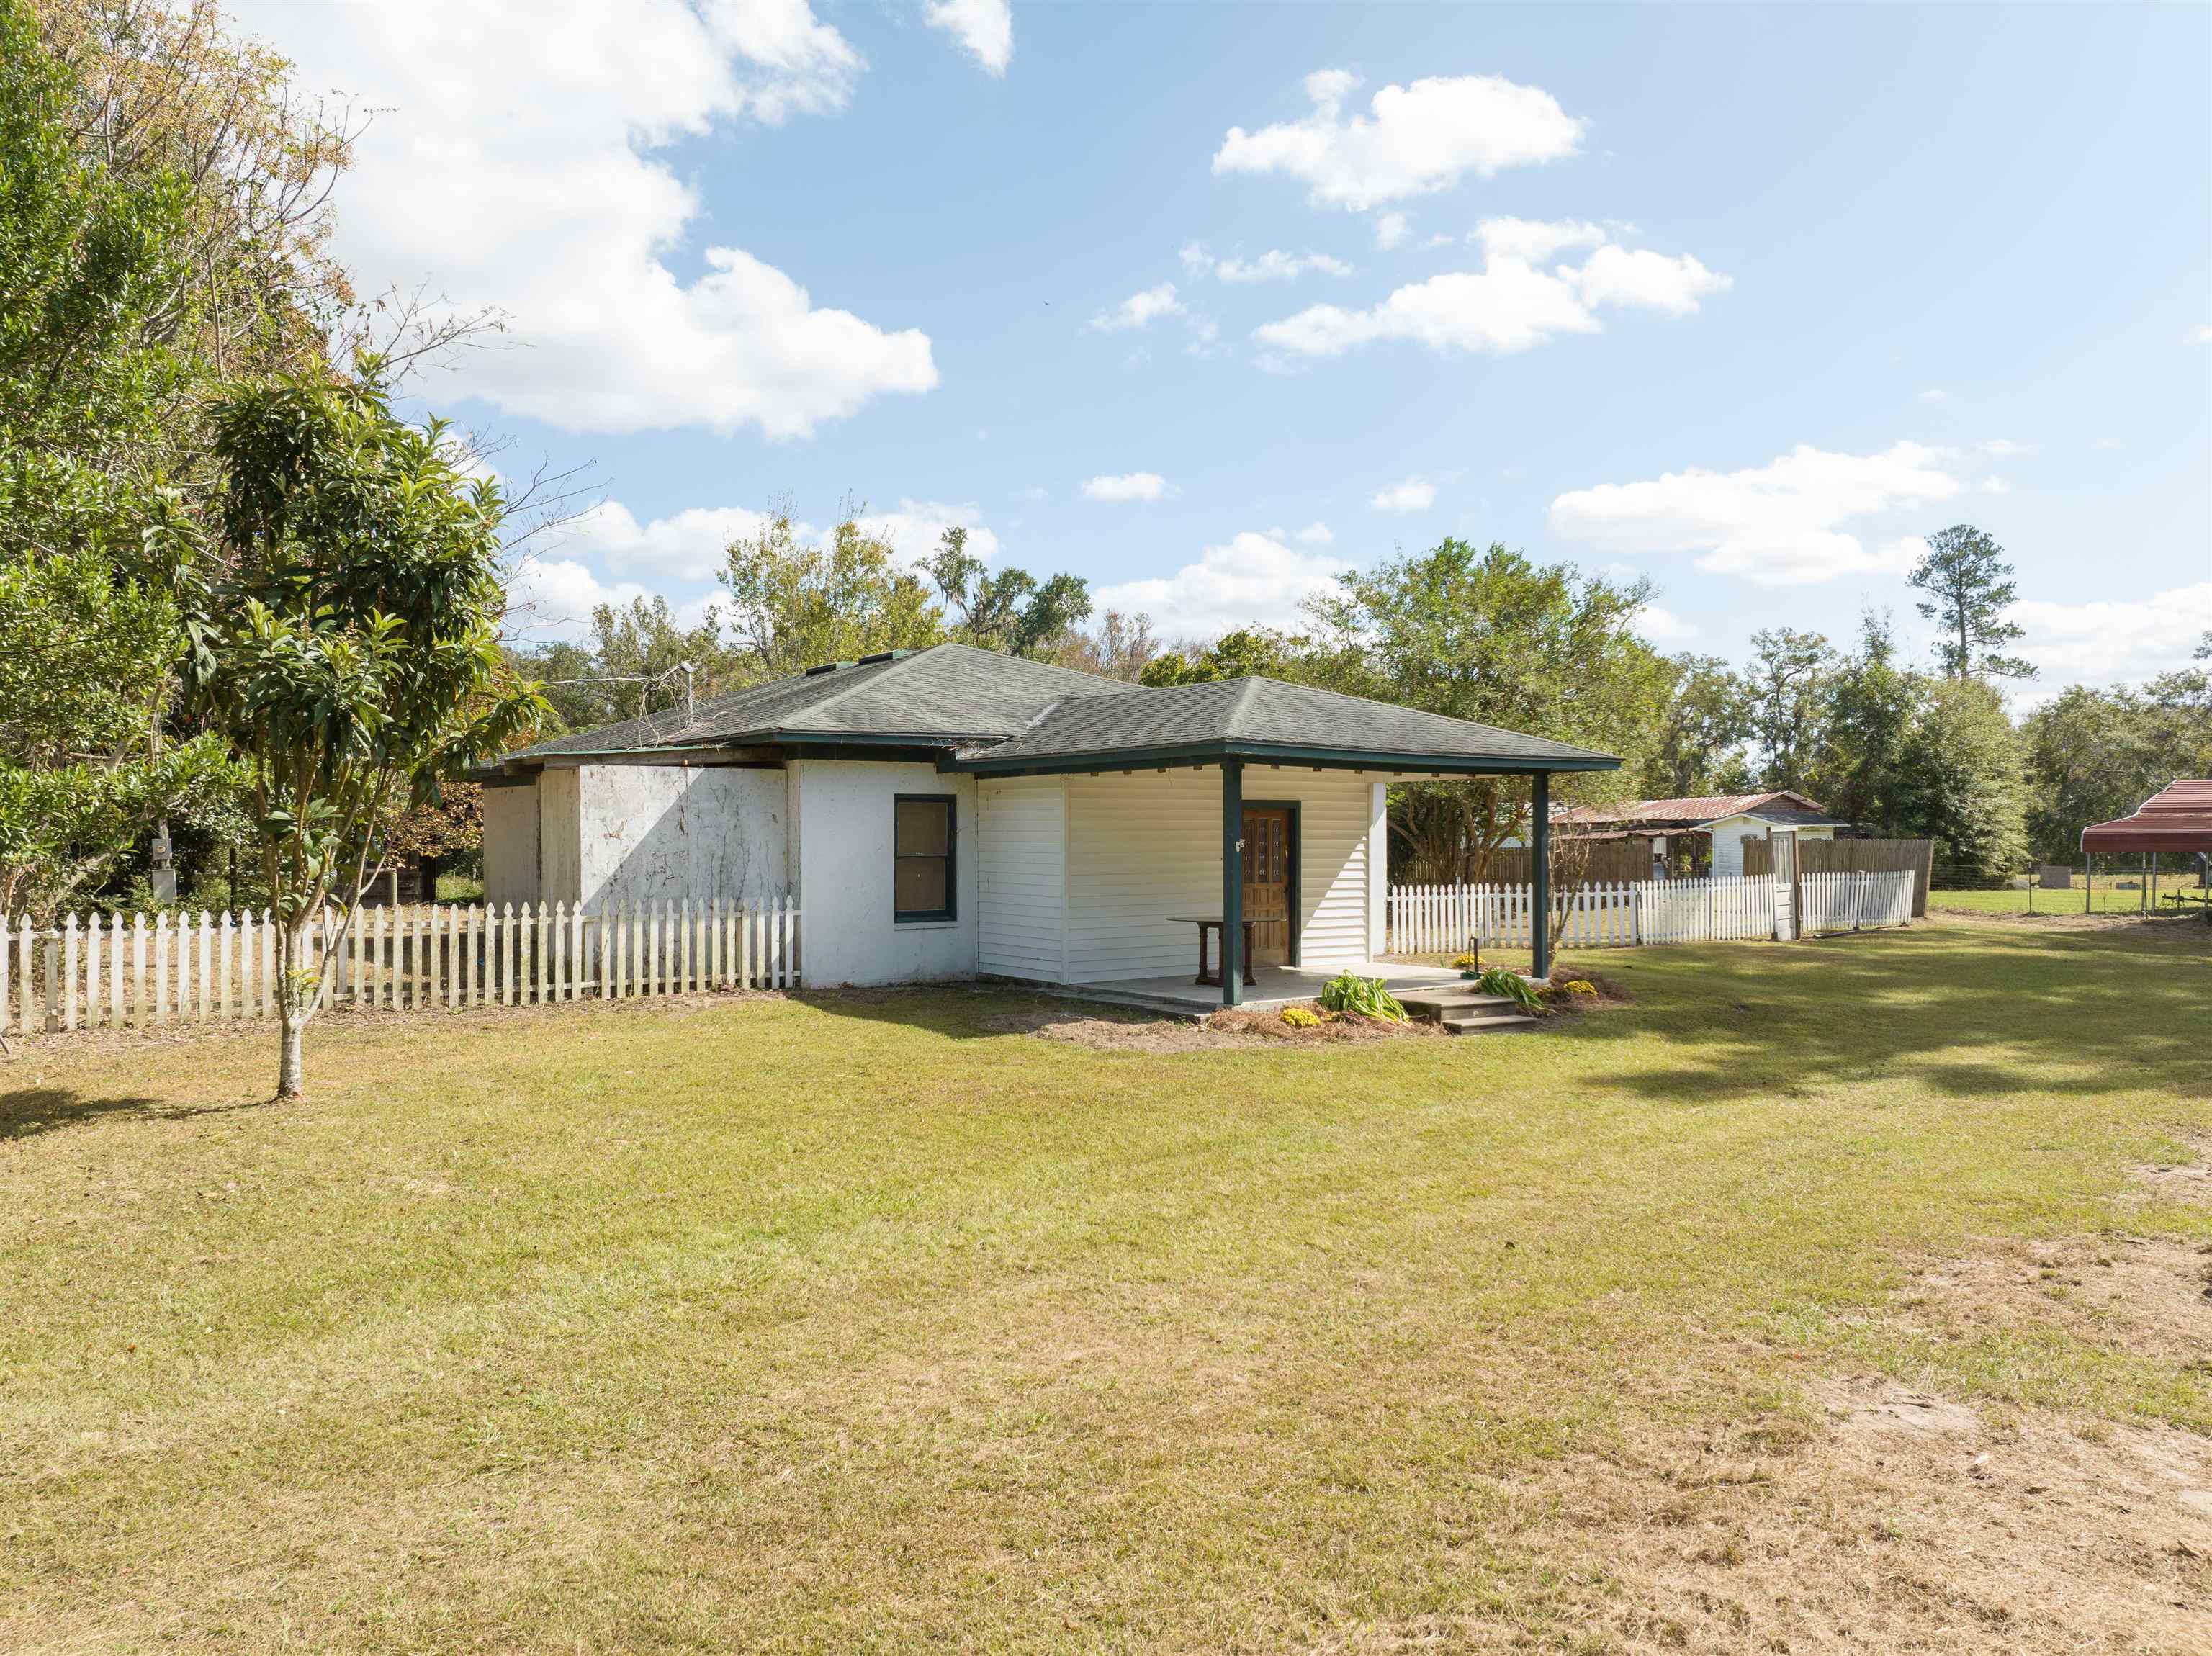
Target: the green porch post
pixel 1232 881
pixel 1540 875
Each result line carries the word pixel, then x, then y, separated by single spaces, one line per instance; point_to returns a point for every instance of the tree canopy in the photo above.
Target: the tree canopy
pixel 343 624
pixel 1968 585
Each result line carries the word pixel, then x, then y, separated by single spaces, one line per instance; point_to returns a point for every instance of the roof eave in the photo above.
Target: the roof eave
pixel 1404 760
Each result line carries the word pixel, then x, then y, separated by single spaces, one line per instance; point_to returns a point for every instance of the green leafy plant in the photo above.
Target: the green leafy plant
pixel 1512 986
pixel 1347 992
pixel 1302 1017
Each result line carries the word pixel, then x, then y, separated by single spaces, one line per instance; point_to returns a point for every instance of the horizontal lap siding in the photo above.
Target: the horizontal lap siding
pixel 1143 846
pixel 1140 847
pixel 1332 859
pixel 1022 890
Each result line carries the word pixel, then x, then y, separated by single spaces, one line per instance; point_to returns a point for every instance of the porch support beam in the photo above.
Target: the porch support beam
pixel 1539 874
pixel 1232 881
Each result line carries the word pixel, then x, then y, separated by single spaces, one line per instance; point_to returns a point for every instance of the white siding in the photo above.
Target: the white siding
pixel 1333 822
pixel 844 820
pixel 1728 841
pixel 1021 877
pixel 1143 846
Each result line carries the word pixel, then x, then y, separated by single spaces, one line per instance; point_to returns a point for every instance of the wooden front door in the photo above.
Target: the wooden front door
pixel 1267 854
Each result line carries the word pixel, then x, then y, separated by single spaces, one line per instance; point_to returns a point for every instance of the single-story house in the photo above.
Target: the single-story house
pixel 1726 819
pixel 949 813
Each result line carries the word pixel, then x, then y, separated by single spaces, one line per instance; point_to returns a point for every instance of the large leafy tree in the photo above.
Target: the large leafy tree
pixel 1009 610
pixel 84 686
pixel 1961 779
pixel 162 223
pixel 1699 745
pixel 1487 634
pixel 1969 584
pixel 2095 754
pixel 343 623
pixel 1788 681
pixel 1872 701
pixel 795 601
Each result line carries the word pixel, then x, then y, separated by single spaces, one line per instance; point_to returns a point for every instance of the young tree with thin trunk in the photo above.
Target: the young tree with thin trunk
pixel 1968 585
pixel 342 638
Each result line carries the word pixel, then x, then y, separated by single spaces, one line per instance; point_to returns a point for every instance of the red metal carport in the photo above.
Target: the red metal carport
pixel 2177 818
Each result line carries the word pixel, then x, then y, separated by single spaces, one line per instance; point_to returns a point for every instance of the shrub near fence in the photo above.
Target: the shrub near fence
pixel 1444 920
pixel 97 972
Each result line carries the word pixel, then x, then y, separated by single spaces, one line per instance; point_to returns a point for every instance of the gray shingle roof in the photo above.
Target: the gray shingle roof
pixel 1259 714
pixel 1002 713
pixel 940 696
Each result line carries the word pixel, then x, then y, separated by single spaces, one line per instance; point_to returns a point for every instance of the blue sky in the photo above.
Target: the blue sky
pixel 1762 295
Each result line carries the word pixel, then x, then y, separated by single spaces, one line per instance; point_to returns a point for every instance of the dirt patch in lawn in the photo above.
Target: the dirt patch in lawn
pixel 2150 1295
pixel 2181 1181
pixel 1880 1520
pixel 1222 1032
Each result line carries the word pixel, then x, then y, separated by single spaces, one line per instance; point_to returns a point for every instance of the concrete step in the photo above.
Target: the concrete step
pixel 1466 1011
pixel 1485 1023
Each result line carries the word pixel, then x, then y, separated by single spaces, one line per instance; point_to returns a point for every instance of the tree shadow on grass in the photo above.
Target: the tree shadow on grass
pixel 29 1111
pixel 2082 1013
pixel 960 1012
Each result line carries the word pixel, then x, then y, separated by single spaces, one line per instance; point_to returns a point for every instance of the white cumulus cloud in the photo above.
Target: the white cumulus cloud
pixel 1138 310
pixel 1415 495
pixel 552 599
pixel 1130 486
pixel 516 168
pixel 1253 580
pixel 985 27
pixel 1663 626
pixel 1413 140
pixel 1778 525
pixel 1390 229
pixel 1509 305
pixel 1273 265
pixel 1317 533
pixel 2113 641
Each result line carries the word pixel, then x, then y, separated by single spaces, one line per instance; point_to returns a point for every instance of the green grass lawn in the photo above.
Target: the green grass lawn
pixel 2106 897
pixel 853 1324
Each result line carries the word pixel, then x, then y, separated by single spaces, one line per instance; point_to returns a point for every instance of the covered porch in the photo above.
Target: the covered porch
pixel 1116 828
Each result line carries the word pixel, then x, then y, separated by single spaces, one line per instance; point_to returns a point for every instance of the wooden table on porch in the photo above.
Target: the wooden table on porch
pixel 1204 923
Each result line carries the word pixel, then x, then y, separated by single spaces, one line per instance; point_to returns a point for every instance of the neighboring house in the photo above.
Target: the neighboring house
pixel 949 812
pixel 1727 819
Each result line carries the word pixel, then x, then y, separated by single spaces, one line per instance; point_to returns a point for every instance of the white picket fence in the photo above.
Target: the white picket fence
pixel 1429 919
pixel 1854 903
pixel 102 972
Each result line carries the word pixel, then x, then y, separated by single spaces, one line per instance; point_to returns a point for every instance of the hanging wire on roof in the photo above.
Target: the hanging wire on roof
pixel 650 682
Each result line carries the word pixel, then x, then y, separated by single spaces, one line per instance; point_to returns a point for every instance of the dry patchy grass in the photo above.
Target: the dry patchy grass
pixel 873 1322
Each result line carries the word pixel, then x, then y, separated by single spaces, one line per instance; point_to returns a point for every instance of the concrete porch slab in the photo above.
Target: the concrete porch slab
pixel 1277 986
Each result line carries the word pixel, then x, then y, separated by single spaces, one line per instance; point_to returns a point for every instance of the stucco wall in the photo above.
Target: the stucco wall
pixel 675 834
pixel 510 845
pixel 842 811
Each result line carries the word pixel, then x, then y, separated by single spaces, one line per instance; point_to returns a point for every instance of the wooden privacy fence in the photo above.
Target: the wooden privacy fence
pixel 1443 920
pixel 110 972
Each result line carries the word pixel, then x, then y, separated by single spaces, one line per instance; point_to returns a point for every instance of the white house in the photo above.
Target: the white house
pixel 1729 819
pixel 949 813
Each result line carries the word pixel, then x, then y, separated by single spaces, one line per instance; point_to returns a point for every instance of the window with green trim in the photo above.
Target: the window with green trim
pixel 921 857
